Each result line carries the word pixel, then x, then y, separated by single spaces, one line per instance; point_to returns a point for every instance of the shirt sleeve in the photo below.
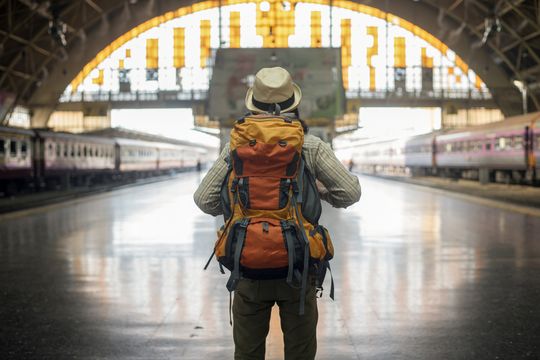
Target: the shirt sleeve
pixel 342 187
pixel 207 195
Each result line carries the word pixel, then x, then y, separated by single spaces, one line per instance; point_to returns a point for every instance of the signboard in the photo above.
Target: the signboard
pixel 317 71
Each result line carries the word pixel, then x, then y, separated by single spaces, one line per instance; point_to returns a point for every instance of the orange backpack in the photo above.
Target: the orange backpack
pixel 271 207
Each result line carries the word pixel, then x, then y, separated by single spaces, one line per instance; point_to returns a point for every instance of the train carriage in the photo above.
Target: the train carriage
pixel 16 168
pixel 508 149
pixel 504 145
pixel 419 152
pixel 137 155
pixel 171 157
pixel 75 153
pixel 47 159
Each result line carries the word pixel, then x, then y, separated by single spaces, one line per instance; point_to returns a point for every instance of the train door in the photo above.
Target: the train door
pixel 38 156
pixel 3 145
pixel 117 157
pixel 528 146
pixel 434 154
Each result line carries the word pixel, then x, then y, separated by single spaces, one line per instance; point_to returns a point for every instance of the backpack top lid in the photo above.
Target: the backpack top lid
pixel 267 129
pixel 266 145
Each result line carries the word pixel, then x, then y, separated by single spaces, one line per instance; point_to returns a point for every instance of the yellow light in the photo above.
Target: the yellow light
pixel 152 53
pixel 179 59
pixel 121 64
pixel 205 42
pixel 346 56
pixel 371 52
pixel 98 80
pixel 276 24
pixel 275 28
pixel 399 52
pixel 478 82
pixel 316 29
pixel 427 61
pixel 234 20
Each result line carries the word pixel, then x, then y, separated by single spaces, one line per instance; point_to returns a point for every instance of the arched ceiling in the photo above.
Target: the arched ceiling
pixel 499 39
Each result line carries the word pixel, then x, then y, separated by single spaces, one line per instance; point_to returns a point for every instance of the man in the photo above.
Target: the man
pixel 253 300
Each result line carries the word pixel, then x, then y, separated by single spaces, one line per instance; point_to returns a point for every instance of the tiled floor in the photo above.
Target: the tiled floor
pixel 420 275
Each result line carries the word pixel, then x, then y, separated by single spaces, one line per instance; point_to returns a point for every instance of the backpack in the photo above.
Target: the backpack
pixel 271 207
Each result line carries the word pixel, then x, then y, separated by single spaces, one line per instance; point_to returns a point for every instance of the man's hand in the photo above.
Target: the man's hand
pixel 322 189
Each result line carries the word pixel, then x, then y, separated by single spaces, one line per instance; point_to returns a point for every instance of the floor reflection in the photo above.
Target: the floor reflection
pixel 415 271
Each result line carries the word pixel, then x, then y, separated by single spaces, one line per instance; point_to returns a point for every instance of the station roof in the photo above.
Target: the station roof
pixel 44 44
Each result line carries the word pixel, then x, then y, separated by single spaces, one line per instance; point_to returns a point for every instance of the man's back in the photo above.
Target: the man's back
pixel 342 189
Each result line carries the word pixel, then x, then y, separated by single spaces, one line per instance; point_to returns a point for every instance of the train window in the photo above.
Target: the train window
pixel 13 148
pixel 24 149
pixel 79 150
pixel 2 146
pixel 51 149
pixel 518 142
pixel 500 144
pixel 65 150
pixel 85 151
pixel 488 146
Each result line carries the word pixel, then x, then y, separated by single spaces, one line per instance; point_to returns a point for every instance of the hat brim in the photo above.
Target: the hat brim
pixel 297 98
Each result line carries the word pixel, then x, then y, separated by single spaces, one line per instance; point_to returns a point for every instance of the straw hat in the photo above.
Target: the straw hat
pixel 273 86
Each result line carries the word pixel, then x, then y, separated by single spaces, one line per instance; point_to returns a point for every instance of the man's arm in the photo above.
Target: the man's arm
pixel 207 195
pixel 342 187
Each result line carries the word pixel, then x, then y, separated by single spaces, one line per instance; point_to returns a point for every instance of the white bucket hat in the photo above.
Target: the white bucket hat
pixel 273 86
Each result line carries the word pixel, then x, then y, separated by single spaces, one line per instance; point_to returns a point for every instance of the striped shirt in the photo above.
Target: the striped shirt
pixel 342 188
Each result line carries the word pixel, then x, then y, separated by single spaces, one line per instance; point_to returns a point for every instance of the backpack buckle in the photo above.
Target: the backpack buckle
pixel 234 185
pixel 295 186
pixel 244 223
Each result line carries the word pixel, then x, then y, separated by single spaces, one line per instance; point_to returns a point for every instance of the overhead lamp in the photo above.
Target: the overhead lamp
pixel 522 87
pixel 519 84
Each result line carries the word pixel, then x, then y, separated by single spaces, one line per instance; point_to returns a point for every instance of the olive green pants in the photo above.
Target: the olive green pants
pixel 252 306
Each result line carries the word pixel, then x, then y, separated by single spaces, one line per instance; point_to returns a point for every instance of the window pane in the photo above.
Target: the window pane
pixel 13 148
pixel 518 142
pixel 24 148
pixel 2 146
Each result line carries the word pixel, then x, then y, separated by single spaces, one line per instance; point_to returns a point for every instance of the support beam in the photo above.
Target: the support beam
pixel 29 44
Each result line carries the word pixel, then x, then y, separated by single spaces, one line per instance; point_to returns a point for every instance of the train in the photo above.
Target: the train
pixel 44 159
pixel 504 151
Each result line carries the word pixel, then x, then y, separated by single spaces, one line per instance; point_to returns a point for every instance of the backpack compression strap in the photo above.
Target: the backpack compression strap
pixel 296 199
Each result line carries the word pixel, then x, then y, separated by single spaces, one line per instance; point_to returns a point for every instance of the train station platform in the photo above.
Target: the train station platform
pixel 420 274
